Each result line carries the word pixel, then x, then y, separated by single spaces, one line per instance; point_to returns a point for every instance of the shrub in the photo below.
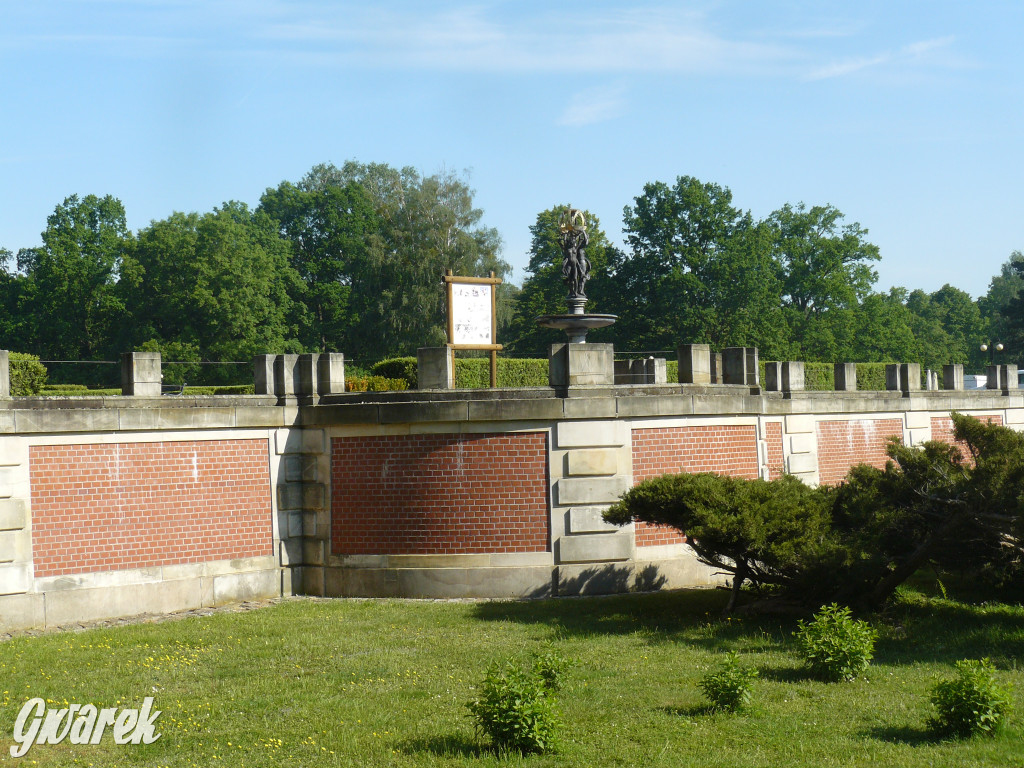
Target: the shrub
pixel 971 703
pixel 516 709
pixel 398 368
pixel 28 375
pixel 835 645
pixel 551 667
pixel 375 384
pixel 728 687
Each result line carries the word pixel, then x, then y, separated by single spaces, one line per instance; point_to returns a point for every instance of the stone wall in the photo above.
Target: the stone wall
pixel 121 505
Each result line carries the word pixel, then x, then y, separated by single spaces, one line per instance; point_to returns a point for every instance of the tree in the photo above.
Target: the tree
pixel 698 270
pixel 1003 307
pixel 213 286
pixel 426 225
pixel 856 543
pixel 72 278
pixel 544 292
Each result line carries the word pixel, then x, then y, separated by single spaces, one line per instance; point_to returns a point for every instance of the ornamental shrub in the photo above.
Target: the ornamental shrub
pixel 728 687
pixel 398 368
pixel 516 709
pixel 835 645
pixel 28 375
pixel 551 667
pixel 972 703
pixel 375 384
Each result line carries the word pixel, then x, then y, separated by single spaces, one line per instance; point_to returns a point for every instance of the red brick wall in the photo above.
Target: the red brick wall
pixel 942 429
pixel 773 438
pixel 439 494
pixel 135 505
pixel 844 444
pixel 729 450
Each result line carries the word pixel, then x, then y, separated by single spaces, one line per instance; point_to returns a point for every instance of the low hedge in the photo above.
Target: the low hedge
pixel 375 384
pixel 28 375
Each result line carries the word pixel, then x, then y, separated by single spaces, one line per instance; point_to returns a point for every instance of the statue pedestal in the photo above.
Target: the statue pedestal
pixel 578 365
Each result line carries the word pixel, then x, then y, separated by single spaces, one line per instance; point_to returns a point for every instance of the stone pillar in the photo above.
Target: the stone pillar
pixel 624 372
pixel 892 377
pixel 140 374
pixel 931 380
pixel 306 372
pixel 434 369
pixel 845 375
pixel 773 376
pixel 1002 377
pixel 910 377
pixel 792 376
pixel 694 364
pixel 575 365
pixel 740 366
pixel 656 370
pixel 1010 379
pixel 717 377
pixel 286 377
pixel 330 373
pixel 263 374
pixel 953 376
pixel 5 373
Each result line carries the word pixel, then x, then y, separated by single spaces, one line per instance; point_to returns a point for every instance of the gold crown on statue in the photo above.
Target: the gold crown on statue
pixel 572 219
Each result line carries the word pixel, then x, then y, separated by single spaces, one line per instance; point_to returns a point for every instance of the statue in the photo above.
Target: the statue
pixel 573 239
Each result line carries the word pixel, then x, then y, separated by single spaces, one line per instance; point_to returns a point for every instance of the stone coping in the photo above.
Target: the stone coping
pixel 532 404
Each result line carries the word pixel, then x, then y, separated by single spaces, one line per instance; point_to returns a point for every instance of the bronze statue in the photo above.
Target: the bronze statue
pixel 573 239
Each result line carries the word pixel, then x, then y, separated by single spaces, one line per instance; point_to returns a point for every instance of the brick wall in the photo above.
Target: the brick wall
pixel 942 429
pixel 439 494
pixel 844 444
pixel 726 449
pixel 105 507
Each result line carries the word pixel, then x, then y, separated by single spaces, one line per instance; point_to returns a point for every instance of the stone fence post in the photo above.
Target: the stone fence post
pixel 140 374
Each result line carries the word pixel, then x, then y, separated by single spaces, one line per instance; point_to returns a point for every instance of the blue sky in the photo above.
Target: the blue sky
pixel 906 116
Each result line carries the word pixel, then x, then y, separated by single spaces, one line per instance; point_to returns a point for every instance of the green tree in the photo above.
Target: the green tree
pixel 213 286
pixel 1001 307
pixel 698 270
pixel 72 278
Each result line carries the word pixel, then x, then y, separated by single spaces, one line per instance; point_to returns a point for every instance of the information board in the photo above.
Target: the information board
pixel 471 316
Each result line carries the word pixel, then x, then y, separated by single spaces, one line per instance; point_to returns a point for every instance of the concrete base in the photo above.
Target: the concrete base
pixel 575 365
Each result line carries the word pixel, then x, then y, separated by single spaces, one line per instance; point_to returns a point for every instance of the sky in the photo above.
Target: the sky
pixel 906 116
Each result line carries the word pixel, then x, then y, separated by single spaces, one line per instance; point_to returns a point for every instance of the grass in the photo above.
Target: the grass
pixel 385 682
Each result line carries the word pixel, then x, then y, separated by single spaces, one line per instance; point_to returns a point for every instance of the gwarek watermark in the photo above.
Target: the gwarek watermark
pixel 39 724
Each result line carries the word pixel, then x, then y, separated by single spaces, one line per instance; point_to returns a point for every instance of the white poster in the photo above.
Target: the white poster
pixel 471 313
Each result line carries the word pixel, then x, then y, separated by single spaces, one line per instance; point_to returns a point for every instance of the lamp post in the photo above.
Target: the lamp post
pixel 994 376
pixel 992 348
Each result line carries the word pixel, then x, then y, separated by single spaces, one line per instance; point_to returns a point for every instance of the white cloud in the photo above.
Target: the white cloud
pixel 908 53
pixel 594 105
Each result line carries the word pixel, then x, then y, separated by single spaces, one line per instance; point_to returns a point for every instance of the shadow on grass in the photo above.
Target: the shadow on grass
pixel 694 710
pixel 795 674
pixel 450 745
pixel 902 734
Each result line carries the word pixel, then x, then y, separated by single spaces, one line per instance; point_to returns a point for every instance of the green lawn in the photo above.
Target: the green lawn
pixel 385 682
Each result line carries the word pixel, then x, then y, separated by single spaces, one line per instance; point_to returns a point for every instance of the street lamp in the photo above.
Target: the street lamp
pixel 992 349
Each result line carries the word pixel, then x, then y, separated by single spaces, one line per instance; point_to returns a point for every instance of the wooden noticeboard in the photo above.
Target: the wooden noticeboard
pixel 472 320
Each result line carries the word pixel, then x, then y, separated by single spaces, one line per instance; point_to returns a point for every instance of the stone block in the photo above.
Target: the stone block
pixel 910 377
pixel 300 468
pixel 893 380
pixel 434 368
pixel 299 441
pixel 590 490
pixel 918 420
pixel 801 463
pixel 263 374
pixel 300 496
pixel 694 364
pixel 15 578
pixel 845 375
pixel 239 587
pixel 805 442
pixel 5 373
pixel 584 434
pixel 1015 415
pixel 140 374
pixel 286 376
pixel 593 461
pixel 803 422
pixel 21 612
pixel 717 372
pixel 792 376
pixel 588 520
pixel 1008 377
pixel 15 546
pixel 773 376
pixel 528 581
pixel 330 373
pixel 579 365
pixel 740 366
pixel 13 514
pixel 600 407
pixel 953 376
pixel 595 547
pixel 657 370
pixel 624 372
pixel 307 368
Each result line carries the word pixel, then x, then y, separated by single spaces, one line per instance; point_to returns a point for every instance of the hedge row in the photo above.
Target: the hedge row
pixel 28 375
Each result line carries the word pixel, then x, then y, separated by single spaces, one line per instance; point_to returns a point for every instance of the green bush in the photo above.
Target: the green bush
pixel 28 375
pixel 516 710
pixel 375 384
pixel 404 368
pixel 972 703
pixel 728 688
pixel 475 372
pixel 835 645
pixel 551 667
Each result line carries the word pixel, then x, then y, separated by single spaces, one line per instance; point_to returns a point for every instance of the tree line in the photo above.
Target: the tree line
pixel 350 259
